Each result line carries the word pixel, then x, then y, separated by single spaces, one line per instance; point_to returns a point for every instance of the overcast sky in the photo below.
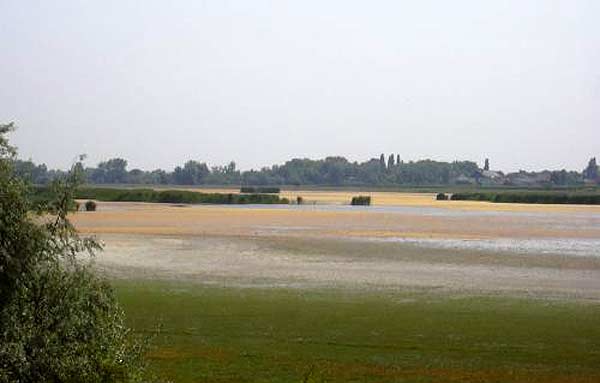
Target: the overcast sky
pixel 260 82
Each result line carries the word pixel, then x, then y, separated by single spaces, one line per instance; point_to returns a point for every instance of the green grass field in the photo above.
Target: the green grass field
pixel 213 334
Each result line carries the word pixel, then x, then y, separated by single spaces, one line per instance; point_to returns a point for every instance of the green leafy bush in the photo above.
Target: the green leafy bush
pixel 90 206
pixel 59 321
pixel 361 200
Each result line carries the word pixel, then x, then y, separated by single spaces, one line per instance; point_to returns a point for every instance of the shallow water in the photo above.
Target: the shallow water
pixel 557 246
pixel 310 263
pixel 566 218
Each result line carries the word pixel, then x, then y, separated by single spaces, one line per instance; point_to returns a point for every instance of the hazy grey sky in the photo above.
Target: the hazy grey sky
pixel 260 82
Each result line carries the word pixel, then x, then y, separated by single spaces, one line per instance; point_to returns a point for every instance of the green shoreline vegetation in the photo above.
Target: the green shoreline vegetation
pixel 539 197
pixel 41 194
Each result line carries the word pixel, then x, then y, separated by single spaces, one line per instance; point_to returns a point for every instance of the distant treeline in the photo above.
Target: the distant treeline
pixel 164 196
pixel 331 171
pixel 543 197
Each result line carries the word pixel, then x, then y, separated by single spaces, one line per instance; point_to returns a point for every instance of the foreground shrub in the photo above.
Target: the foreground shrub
pixel 441 197
pixel 59 321
pixel 361 200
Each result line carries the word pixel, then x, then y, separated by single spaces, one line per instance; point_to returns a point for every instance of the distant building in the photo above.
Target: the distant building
pixel 489 177
pixel 523 178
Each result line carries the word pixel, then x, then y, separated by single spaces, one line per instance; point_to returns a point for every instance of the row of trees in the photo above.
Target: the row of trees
pixel 114 171
pixel 329 171
pixel 334 171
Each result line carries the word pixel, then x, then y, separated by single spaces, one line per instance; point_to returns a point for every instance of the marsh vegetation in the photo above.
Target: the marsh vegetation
pixel 165 196
pixel 528 196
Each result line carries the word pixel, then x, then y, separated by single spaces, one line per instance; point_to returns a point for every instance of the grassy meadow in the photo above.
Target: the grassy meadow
pixel 220 334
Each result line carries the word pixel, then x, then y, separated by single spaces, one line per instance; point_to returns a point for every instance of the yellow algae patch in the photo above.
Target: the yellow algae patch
pixel 157 219
pixel 344 197
pixel 390 198
pixel 384 198
pixel 427 200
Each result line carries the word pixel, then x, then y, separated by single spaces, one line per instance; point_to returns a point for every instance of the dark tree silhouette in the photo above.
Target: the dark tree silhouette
pixel 390 163
pixel 382 161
